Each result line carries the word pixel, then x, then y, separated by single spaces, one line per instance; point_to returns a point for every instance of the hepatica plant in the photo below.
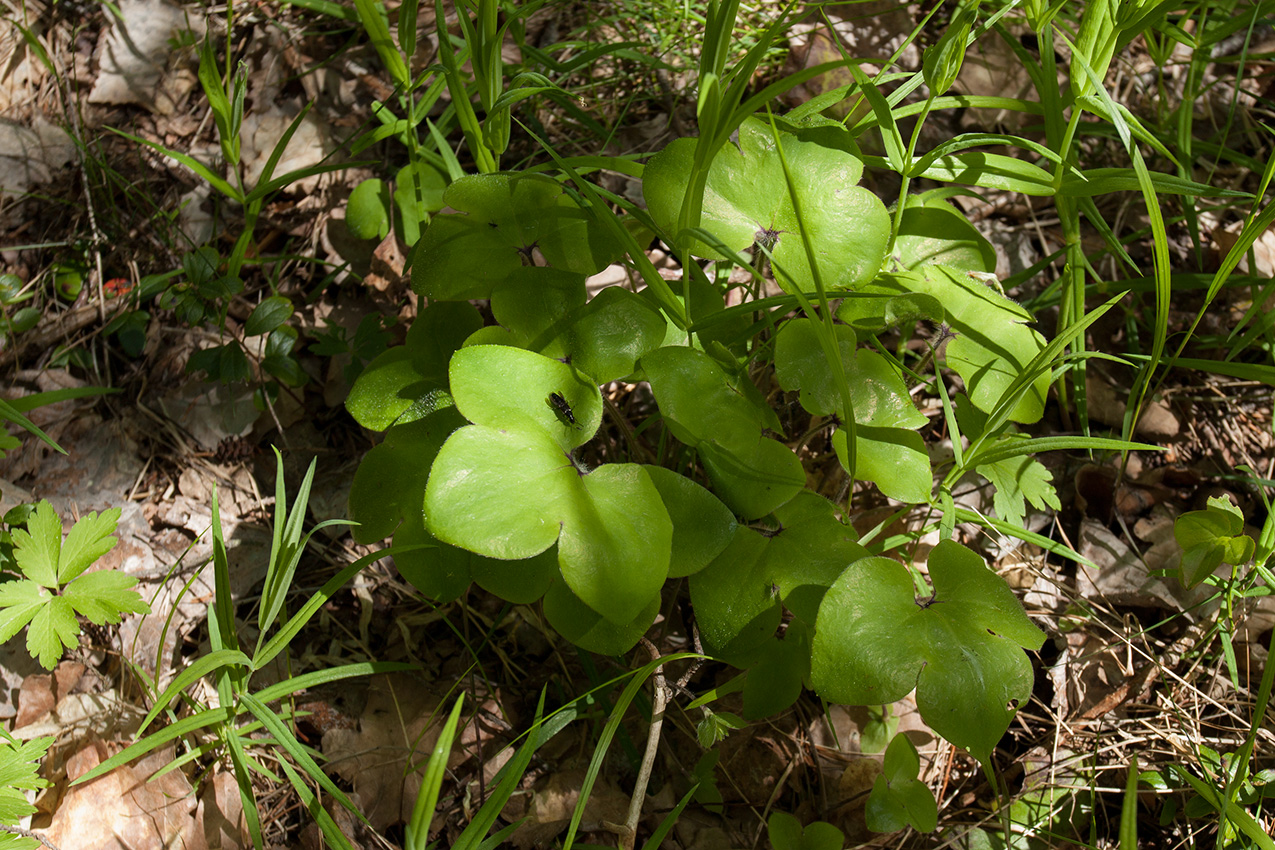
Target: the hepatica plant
pixel 491 451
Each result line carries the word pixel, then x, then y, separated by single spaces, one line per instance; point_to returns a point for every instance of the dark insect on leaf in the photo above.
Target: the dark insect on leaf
pixel 561 408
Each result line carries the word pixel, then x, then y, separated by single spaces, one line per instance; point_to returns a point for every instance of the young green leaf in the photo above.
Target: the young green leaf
pixel 1211 537
pixel 365 212
pixel 898 798
pixel 993 344
pixel 708 411
pixel 786 833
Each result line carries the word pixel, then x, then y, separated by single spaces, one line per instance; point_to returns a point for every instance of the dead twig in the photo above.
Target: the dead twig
pixel 627 831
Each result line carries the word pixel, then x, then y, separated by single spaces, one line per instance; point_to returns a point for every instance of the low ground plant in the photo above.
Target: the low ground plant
pixel 699 449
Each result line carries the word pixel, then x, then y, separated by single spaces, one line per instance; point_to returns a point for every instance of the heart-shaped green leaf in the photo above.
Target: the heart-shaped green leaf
pixel 418 192
pixel 503 218
pixel 894 458
pixel 887 451
pixel 753 474
pixel 1210 537
pixel 389 485
pixel 410 381
pixel 786 833
pixel 502 386
pixel 546 311
pixel 365 213
pixel 877 390
pixel 875 642
pixel 737 596
pixel 521 583
pixel 512 492
pixel 588 629
pixel 747 200
pixel 702 525
pixel 898 798
pixel 993 344
pixel 775 682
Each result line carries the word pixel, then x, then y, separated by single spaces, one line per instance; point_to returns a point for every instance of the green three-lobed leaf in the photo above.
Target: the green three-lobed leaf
pixel 747 200
pixel 961 650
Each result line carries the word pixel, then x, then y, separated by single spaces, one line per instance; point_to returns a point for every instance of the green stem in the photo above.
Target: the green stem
pixel 907 175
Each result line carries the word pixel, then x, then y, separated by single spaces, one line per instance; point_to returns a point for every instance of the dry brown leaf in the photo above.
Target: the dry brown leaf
pixel 221 811
pixel 135 54
pixel 374 757
pixel 122 811
pixel 554 802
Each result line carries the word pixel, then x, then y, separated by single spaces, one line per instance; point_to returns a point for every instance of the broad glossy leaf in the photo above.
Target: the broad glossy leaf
pixel 933 232
pixel 702 525
pixel 877 390
pixel 418 192
pixel 894 459
pixel 521 583
pixel 588 629
pixel 1210 537
pixel 268 315
pixel 606 337
pixel 747 200
pixel 440 572
pixel 993 343
pixel 531 299
pixel 365 213
pixel 775 682
pixel 808 552
pixel 546 311
pixel 753 479
pixel 501 219
pixel 737 596
pixel 502 386
pixel 510 493
pixel 410 381
pixel 786 833
pixel 961 650
pixel 89 539
pixel 753 474
pixel 389 485
pixel 736 609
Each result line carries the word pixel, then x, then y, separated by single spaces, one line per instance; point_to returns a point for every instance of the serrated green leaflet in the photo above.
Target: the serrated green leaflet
pixel 54 566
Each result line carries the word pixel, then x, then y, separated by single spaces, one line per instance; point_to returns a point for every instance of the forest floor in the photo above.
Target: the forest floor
pixel 87 214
